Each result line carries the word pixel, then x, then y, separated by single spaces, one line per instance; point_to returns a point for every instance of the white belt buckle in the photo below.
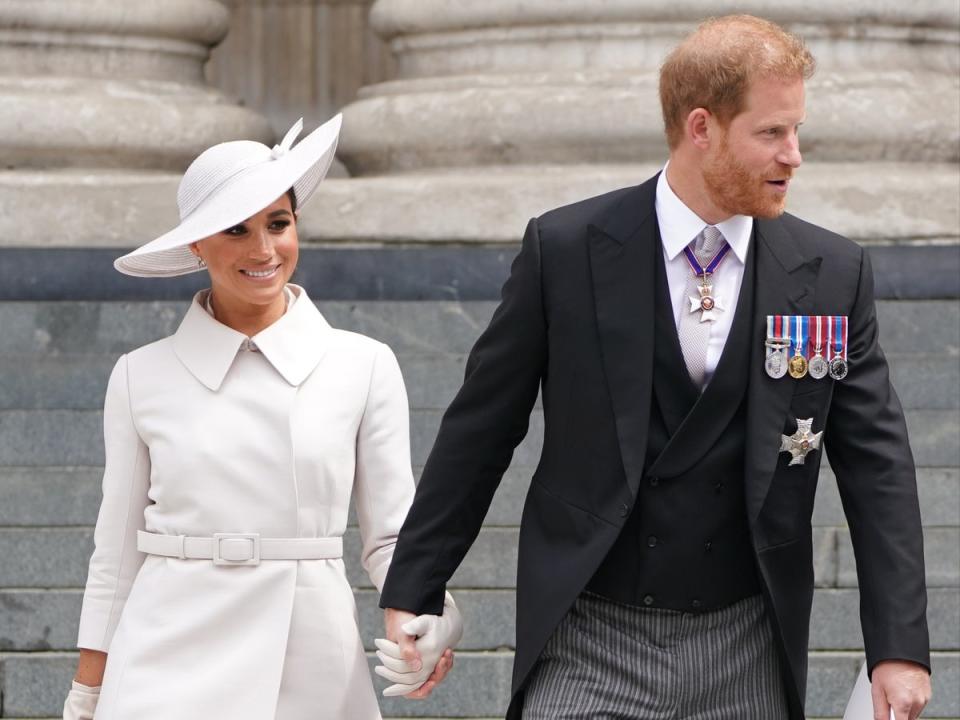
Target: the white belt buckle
pixel 236 548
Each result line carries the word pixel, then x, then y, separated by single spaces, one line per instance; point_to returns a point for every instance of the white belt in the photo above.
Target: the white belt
pixel 239 548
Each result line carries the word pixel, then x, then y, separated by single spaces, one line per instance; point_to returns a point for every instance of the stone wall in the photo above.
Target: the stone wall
pixel 429 305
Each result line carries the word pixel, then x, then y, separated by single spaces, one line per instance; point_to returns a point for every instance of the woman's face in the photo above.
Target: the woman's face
pixel 251 262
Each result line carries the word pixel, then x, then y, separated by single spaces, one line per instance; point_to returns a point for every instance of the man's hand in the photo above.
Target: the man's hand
pixel 901 686
pixel 400 656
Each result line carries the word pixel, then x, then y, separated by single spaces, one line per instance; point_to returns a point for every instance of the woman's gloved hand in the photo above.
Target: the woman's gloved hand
pixel 434 634
pixel 81 702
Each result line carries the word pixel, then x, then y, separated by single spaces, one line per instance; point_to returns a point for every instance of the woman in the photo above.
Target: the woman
pixel 217 586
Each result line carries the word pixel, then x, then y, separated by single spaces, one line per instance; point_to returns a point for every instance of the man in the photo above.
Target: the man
pixel 665 561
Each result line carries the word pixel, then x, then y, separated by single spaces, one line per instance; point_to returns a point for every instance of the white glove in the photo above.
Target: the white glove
pixel 81 702
pixel 434 633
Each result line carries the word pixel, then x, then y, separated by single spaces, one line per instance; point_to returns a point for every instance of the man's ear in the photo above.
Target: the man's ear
pixel 699 127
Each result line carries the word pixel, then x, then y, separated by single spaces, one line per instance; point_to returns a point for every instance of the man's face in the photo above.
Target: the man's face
pixel 748 171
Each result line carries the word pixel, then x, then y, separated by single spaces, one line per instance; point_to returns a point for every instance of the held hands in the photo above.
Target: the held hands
pixel 81 702
pixel 418 654
pixel 900 689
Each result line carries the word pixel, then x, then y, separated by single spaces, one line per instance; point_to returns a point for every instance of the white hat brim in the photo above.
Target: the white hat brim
pixel 301 168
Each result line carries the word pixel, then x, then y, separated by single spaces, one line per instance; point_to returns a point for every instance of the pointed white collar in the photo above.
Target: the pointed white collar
pixel 679 225
pixel 294 344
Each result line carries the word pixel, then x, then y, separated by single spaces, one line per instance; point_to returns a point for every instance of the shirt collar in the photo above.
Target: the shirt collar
pixel 294 344
pixel 679 225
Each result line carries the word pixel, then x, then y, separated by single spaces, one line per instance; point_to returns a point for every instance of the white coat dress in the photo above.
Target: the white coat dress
pixel 205 436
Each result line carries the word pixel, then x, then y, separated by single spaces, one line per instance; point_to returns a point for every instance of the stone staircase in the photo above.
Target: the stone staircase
pixel 55 358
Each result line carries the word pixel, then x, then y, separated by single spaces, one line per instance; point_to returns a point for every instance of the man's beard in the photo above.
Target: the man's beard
pixel 733 189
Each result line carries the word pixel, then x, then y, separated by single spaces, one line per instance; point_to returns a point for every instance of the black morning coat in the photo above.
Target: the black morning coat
pixel 576 322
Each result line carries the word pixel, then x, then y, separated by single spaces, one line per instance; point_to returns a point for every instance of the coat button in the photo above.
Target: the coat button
pixel 654 480
pixel 696 604
pixel 648 599
pixel 718 487
pixel 624 510
pixel 708 545
pixel 652 541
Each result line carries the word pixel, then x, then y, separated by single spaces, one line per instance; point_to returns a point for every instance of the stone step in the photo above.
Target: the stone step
pixel 75 437
pixel 58 558
pixel 35 684
pixel 409 327
pixel 66 496
pixel 40 620
pixel 78 382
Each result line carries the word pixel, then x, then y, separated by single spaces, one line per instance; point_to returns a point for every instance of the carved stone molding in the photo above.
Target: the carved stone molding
pixel 501 107
pixel 102 101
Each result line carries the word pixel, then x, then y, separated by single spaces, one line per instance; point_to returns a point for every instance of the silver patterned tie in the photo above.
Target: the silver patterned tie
pixel 695 335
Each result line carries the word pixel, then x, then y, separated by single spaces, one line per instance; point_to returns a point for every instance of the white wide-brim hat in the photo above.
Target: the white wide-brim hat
pixel 229 183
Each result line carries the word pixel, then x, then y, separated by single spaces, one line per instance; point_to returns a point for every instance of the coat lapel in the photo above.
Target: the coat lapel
pixel 294 344
pixel 785 284
pixel 206 347
pixel 622 255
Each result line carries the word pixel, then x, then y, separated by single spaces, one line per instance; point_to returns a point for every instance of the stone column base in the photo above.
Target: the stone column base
pixel 867 202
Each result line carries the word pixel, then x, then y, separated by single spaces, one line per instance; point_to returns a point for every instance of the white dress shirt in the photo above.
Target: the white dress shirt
pixel 679 227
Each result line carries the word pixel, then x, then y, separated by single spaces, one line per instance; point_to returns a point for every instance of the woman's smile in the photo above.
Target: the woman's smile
pixel 259 275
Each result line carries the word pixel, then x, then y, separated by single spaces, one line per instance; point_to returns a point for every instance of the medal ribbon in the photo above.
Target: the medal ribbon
pixel 844 337
pixel 698 269
pixel 818 348
pixel 840 336
pixel 801 332
pixel 829 349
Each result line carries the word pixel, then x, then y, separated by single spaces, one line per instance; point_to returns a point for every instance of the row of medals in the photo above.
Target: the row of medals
pixel 818 367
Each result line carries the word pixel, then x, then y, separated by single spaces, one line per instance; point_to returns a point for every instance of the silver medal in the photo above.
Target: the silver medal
pixel 838 368
pixel 776 363
pixel 818 367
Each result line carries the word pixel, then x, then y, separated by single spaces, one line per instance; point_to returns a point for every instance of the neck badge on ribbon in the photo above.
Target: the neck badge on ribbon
pixel 708 305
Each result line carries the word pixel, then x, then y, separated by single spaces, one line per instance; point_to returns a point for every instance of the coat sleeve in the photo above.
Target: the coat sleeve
pixel 480 430
pixel 126 481
pixel 383 484
pixel 870 455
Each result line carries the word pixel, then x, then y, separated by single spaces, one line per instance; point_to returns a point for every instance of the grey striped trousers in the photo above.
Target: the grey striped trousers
pixel 613 661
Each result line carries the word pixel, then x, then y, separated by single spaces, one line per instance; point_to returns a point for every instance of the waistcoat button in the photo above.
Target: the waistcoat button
pixel 652 541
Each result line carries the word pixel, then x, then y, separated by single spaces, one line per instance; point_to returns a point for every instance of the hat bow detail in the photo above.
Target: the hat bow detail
pixel 283 148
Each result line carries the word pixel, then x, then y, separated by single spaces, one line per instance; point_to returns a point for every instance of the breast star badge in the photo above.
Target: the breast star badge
pixel 707 304
pixel 801 442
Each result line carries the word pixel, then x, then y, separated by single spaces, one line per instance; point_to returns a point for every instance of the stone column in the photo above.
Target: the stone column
pixel 102 106
pixel 504 108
